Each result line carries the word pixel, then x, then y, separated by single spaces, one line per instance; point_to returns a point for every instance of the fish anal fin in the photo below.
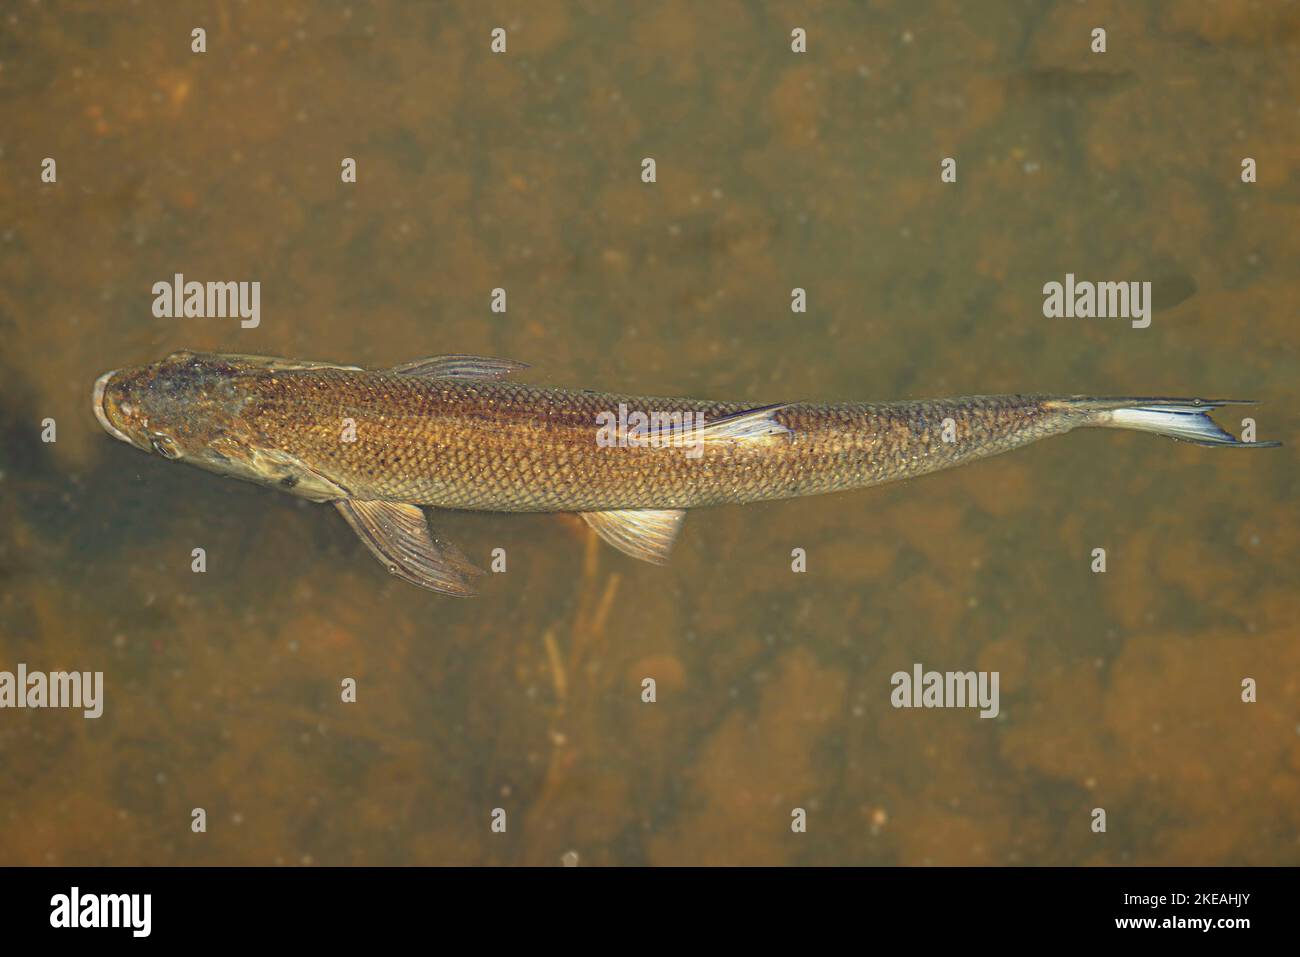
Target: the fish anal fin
pixel 400 537
pixel 460 367
pixel 647 534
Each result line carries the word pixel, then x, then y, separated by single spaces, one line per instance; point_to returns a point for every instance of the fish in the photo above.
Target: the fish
pixel 459 432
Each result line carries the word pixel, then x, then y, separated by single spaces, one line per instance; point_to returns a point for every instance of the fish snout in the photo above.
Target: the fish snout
pixel 98 400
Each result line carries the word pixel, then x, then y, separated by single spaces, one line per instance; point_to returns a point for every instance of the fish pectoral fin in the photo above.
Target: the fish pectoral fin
pixel 278 364
pixel 647 534
pixel 276 465
pixel 752 425
pixel 400 537
pixel 460 367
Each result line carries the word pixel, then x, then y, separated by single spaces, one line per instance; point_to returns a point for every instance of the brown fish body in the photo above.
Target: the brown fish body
pixel 513 448
pixel 448 432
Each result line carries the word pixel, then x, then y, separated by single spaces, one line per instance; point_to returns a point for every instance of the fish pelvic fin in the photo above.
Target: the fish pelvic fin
pixel 646 534
pixel 400 537
pixel 1187 420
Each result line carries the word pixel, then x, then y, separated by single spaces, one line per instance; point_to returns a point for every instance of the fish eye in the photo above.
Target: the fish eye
pixel 164 446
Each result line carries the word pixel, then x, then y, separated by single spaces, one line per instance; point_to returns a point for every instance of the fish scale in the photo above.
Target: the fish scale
pixel 515 448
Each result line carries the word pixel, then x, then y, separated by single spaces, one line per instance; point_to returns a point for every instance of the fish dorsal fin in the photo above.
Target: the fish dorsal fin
pixel 747 426
pixel 647 534
pixel 400 537
pixel 460 367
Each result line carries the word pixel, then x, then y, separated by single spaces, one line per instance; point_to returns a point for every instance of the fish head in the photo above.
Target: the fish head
pixel 193 407
pixel 171 408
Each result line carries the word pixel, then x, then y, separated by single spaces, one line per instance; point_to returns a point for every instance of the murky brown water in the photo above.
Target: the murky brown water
pixel 775 170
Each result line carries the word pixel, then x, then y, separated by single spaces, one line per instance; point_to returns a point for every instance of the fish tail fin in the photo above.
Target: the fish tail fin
pixel 1187 420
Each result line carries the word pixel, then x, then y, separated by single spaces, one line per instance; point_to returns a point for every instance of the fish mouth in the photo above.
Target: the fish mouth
pixel 97 403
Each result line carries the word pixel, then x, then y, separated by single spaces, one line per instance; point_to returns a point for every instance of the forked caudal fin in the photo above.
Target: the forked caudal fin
pixel 1187 420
